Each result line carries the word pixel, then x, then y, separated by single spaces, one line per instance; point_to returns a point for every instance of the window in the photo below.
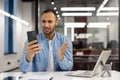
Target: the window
pixel 9 6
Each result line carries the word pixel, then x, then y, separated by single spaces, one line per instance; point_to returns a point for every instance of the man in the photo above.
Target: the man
pixel 51 51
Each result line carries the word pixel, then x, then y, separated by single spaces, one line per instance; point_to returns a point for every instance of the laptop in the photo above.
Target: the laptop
pixel 102 58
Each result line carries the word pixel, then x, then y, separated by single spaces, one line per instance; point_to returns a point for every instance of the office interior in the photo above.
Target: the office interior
pixel 92 25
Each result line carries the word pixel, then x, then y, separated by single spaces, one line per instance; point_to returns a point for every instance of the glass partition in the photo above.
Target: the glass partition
pixel 92 25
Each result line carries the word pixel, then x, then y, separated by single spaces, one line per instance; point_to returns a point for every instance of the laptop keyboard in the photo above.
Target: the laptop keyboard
pixel 83 72
pixel 86 73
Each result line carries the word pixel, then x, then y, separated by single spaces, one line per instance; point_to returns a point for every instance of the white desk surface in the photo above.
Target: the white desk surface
pixel 61 75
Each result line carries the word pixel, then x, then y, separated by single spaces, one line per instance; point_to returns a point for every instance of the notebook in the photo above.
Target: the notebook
pixel 103 57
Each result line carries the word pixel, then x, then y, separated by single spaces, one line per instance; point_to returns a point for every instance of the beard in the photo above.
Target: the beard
pixel 49 32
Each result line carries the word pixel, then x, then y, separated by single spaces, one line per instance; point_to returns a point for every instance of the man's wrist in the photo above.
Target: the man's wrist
pixel 61 58
pixel 28 59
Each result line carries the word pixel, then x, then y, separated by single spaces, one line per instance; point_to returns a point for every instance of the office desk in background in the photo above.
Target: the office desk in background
pixel 61 75
pixel 87 61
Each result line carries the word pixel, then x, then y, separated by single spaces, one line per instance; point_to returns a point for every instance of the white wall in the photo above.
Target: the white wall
pixel 24 12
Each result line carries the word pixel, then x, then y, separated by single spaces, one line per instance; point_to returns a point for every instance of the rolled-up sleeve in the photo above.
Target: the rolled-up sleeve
pixel 67 63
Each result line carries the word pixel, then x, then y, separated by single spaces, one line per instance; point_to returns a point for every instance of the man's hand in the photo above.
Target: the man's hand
pixel 32 48
pixel 62 50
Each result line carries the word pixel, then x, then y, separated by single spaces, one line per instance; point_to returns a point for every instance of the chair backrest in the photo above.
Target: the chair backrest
pixel 113 44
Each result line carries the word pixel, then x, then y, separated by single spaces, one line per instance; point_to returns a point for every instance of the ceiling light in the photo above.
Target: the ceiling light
pixel 107 14
pixel 56 12
pixel 52 3
pixel 105 1
pixel 110 9
pixel 4 13
pixel 58 16
pixel 84 35
pixel 74 25
pixel 18 19
pixel 55 8
pixel 78 9
pixel 100 8
pixel 76 14
pixel 24 22
pixel 15 18
pixel 98 24
pixel 102 5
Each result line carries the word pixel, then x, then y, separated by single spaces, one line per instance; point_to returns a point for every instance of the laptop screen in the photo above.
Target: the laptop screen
pixel 102 58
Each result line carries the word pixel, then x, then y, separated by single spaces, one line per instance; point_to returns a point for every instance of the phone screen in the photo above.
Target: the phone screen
pixel 31 36
pixel 10 78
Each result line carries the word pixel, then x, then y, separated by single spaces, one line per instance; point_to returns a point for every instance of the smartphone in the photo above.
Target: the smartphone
pixel 32 35
pixel 10 78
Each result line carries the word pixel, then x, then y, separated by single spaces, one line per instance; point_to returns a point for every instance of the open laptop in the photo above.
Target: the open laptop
pixel 103 57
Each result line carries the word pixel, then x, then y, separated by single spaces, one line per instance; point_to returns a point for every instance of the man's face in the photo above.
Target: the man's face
pixel 48 23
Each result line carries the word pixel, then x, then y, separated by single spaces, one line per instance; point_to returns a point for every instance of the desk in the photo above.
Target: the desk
pixel 61 75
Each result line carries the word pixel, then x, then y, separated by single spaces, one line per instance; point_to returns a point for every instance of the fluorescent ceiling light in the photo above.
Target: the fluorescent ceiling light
pixel 78 9
pixel 15 18
pixel 107 14
pixel 76 14
pixel 98 24
pixel 74 25
pixel 100 8
pixel 24 22
pixel 110 9
pixel 102 5
pixel 83 35
pixel 4 13
pixel 18 19
pixel 104 2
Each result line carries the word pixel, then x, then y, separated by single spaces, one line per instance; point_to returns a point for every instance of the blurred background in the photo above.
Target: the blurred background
pixel 92 25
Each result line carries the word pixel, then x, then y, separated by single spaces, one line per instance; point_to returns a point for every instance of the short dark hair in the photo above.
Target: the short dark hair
pixel 49 10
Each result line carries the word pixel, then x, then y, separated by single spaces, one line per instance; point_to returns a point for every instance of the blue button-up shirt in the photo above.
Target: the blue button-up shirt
pixel 40 60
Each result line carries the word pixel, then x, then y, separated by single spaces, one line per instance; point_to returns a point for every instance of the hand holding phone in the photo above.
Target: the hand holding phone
pixel 32 47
